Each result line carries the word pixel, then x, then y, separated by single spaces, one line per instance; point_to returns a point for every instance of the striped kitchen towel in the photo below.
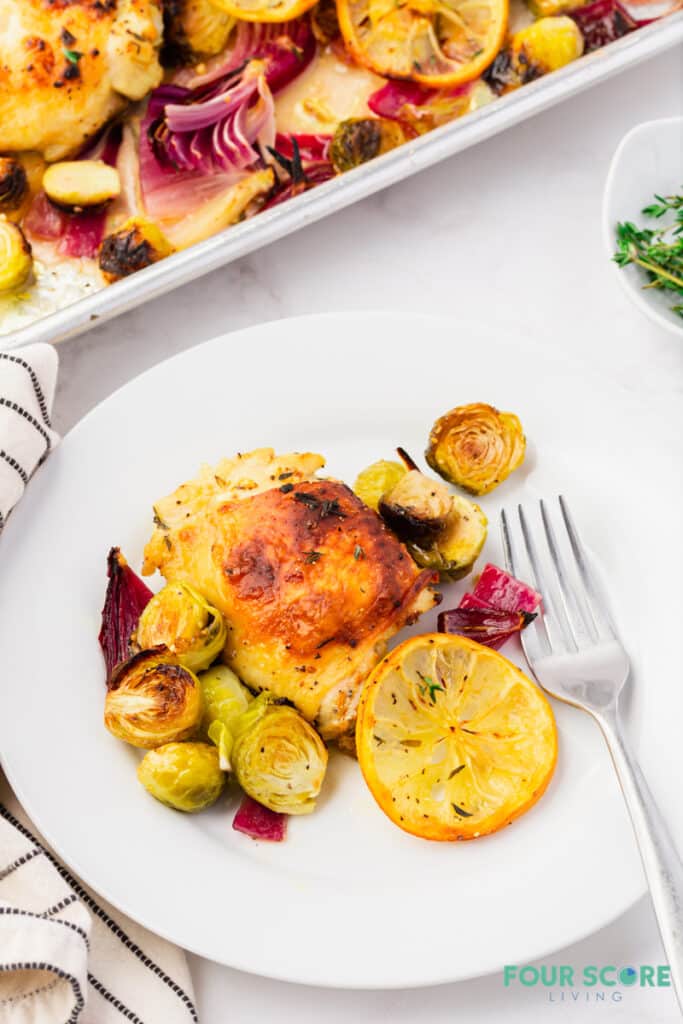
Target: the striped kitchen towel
pixel 66 956
pixel 27 386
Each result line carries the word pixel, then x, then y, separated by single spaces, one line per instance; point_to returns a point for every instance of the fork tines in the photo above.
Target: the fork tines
pixel 573 614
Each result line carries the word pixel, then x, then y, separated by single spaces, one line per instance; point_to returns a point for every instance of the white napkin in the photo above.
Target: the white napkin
pixel 66 956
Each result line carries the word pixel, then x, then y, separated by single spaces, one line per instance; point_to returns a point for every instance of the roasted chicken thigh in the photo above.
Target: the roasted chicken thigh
pixel 67 66
pixel 310 581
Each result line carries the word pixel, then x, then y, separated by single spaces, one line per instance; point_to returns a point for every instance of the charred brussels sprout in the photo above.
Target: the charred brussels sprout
pixel 277 757
pixel 180 619
pixel 225 698
pixel 16 261
pixel 377 480
pixel 153 700
pixel 476 446
pixel 324 21
pixel 457 546
pixel 194 29
pixel 136 244
pixel 14 185
pixel 545 45
pixel 361 138
pixel 417 508
pixel 185 776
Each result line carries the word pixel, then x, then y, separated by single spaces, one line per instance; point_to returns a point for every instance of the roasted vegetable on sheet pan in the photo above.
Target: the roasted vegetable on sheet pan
pixel 13 184
pixel 136 244
pixel 78 184
pixel 16 260
pixel 152 699
pixel 361 139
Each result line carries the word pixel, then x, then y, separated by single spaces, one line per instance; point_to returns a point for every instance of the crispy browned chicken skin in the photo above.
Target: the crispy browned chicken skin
pixel 311 584
pixel 67 66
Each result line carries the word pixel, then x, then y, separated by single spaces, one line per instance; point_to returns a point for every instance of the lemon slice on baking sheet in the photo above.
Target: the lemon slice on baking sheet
pixel 438 42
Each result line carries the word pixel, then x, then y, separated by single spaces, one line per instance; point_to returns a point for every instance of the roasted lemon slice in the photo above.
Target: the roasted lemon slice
pixel 453 740
pixel 438 42
pixel 264 10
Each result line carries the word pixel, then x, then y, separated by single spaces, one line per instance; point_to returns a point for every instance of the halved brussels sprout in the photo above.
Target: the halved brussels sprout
pixel 456 548
pixel 277 757
pixel 194 29
pixel 152 700
pixel 476 446
pixel 78 184
pixel 376 480
pixel 225 698
pixel 546 45
pixel 417 508
pixel 16 260
pixel 185 776
pixel 180 619
pixel 361 138
pixel 135 245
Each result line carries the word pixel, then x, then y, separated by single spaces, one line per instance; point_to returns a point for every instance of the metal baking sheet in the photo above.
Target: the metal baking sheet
pixel 348 188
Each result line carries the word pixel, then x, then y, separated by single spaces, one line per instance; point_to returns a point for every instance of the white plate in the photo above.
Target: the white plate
pixel 648 160
pixel 348 900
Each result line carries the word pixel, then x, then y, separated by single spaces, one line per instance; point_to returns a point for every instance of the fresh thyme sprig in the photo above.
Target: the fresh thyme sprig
pixel 658 251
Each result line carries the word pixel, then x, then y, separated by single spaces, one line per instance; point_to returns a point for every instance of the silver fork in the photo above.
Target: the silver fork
pixel 575 654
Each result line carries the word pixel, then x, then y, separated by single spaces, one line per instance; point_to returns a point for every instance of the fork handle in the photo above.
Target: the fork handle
pixel 663 868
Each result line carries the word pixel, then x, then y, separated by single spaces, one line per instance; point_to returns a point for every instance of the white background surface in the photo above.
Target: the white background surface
pixel 510 232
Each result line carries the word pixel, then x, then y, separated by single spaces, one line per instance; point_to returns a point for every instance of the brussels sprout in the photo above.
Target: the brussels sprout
pixel 376 480
pixel 152 700
pixel 185 776
pixel 14 185
pixel 476 446
pixel 180 619
pixel 545 45
pixel 16 261
pixel 225 698
pixel 136 244
pixel 361 138
pixel 456 548
pixel 194 29
pixel 277 757
pixel 417 508
pixel 324 21
pixel 77 184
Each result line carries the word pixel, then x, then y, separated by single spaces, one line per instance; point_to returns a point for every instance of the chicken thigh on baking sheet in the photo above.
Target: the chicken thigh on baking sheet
pixel 67 66
pixel 310 581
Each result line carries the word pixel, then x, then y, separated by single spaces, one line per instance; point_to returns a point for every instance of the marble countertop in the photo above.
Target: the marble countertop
pixel 508 231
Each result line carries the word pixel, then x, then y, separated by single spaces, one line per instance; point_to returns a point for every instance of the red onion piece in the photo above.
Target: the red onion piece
pixel 83 235
pixel 602 22
pixel 294 188
pixel 470 601
pixel 260 822
pixel 390 100
pixel 43 220
pixel 501 591
pixel 487 626
pixel 126 598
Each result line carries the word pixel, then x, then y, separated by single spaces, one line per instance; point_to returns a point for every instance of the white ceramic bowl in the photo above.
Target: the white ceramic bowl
pixel 648 160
